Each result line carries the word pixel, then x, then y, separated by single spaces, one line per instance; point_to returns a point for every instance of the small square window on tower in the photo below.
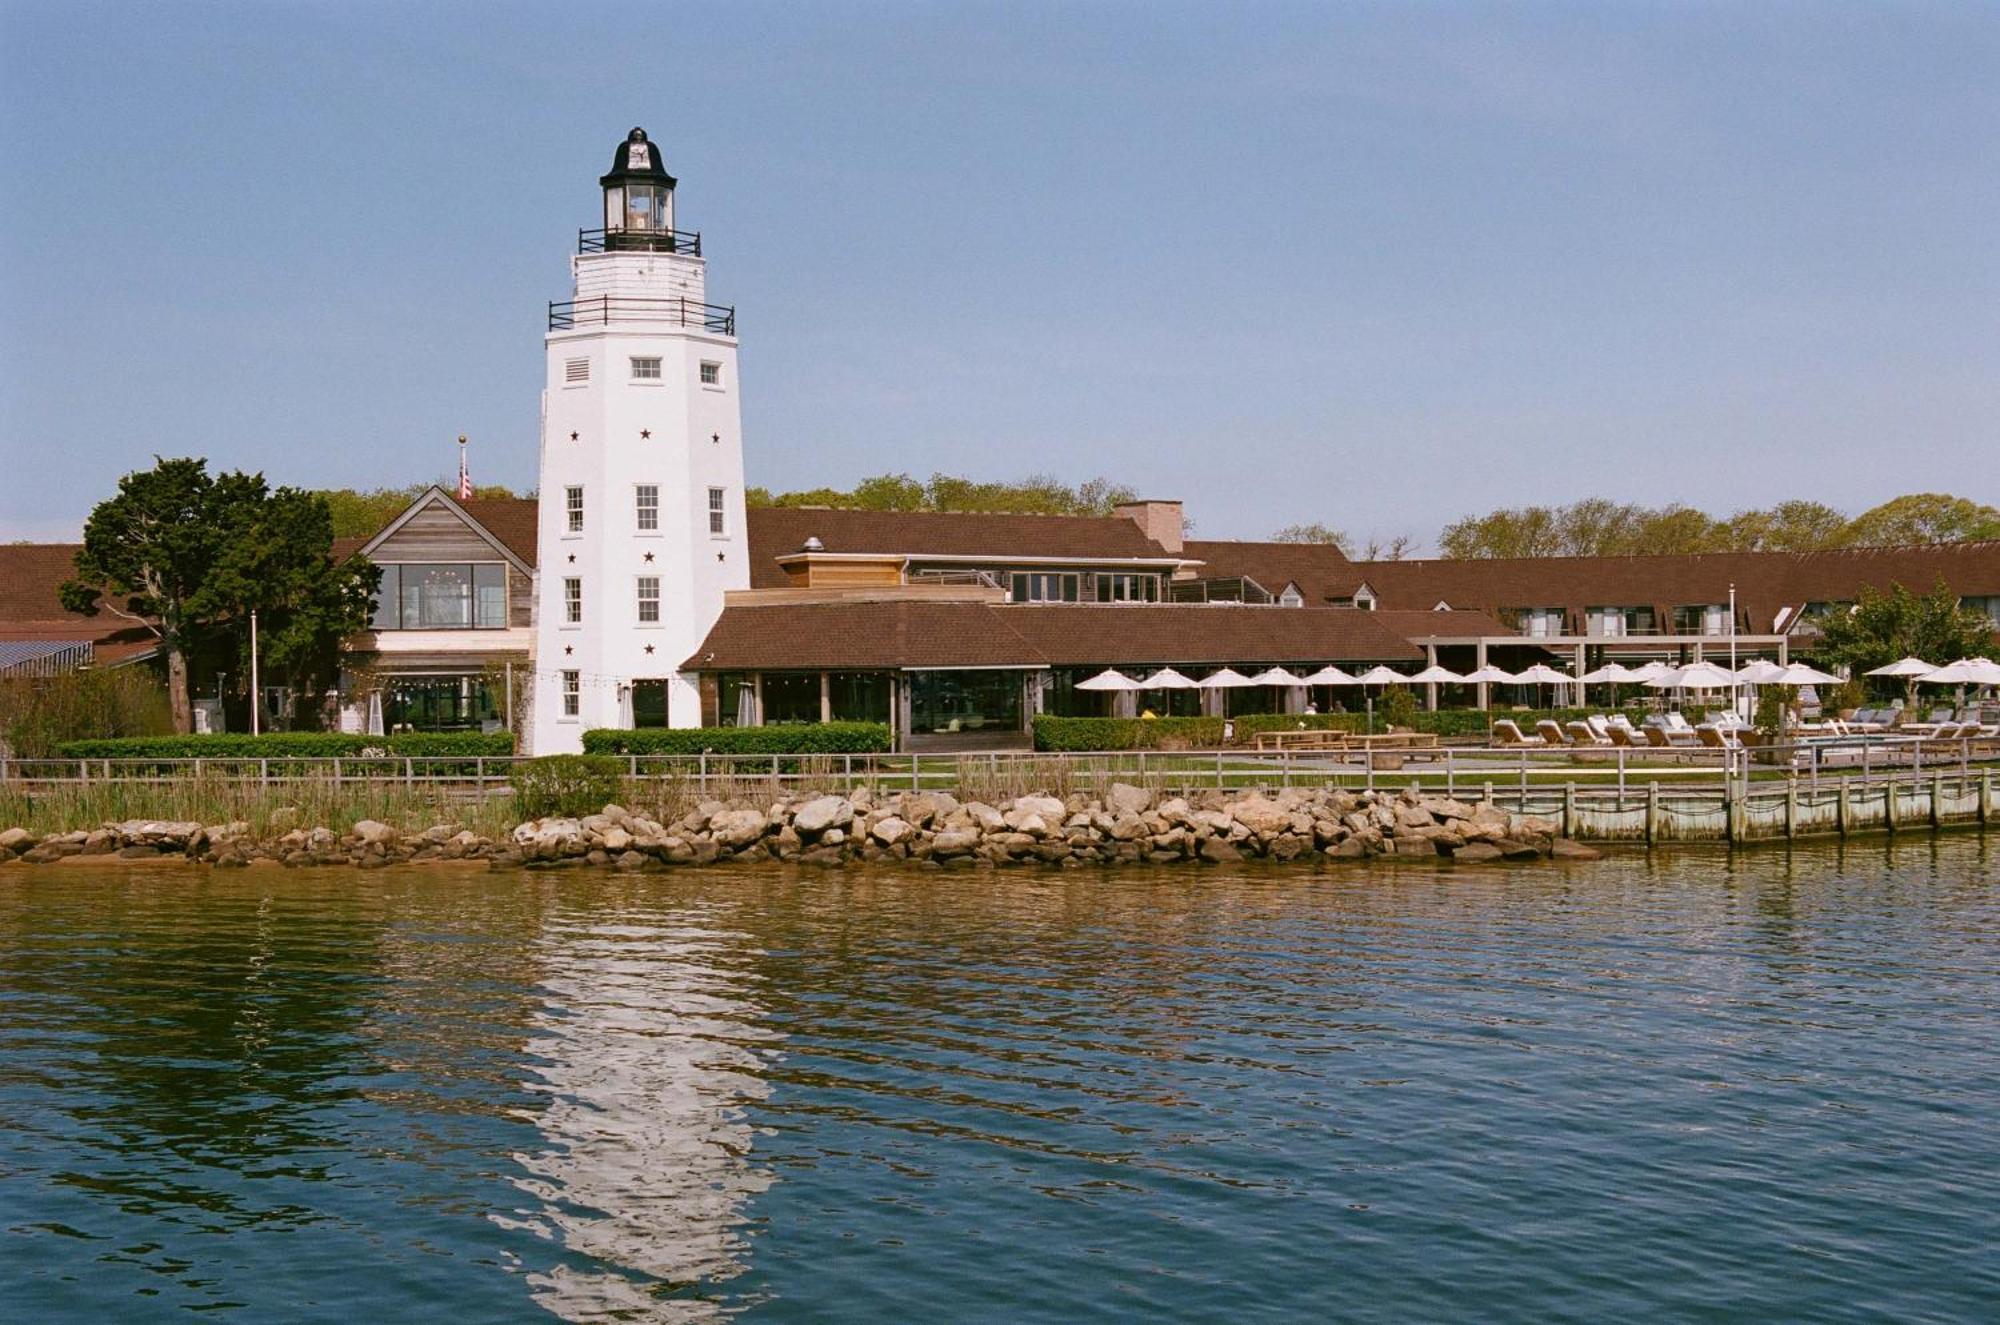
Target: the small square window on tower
pixel 573 509
pixel 646 369
pixel 576 372
pixel 717 525
pixel 711 373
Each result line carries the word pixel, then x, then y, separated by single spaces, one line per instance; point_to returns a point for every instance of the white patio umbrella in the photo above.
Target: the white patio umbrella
pixel 1541 674
pixel 1108 679
pixel 1379 675
pixel 1798 674
pixel 1966 671
pixel 1761 672
pixel 1277 676
pixel 1331 676
pixel 1166 679
pixel 1491 675
pixel 1610 672
pixel 1435 673
pixel 1909 669
pixel 1695 676
pixel 1226 679
pixel 1647 673
pixel 1904 667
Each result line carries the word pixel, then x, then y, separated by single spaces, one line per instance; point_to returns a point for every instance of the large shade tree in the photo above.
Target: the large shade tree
pixel 189 555
pixel 1896 623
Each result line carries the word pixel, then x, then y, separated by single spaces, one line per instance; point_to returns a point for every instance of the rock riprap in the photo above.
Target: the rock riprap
pixel 1124 825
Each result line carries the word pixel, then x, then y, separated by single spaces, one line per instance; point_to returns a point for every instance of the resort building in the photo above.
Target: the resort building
pixel 638 591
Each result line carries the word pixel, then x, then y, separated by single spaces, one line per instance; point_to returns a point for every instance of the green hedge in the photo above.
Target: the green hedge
pixel 1102 734
pixel 1081 734
pixel 790 739
pixel 281 745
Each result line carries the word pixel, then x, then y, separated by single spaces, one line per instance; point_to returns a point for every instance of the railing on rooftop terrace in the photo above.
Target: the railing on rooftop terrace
pixel 639 241
pixel 599 310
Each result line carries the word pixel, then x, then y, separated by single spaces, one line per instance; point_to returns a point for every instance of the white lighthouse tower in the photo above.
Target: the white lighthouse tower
pixel 641 470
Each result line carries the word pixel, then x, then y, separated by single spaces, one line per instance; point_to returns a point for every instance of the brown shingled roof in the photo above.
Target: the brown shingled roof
pixel 777 531
pixel 510 519
pixel 1321 570
pixel 31 609
pixel 902 634
pixel 864 634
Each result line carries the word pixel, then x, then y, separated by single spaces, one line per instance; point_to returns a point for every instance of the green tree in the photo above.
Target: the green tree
pixel 188 555
pixel 359 513
pixel 1526 531
pixel 1314 533
pixel 1790 526
pixel 1924 517
pixel 1038 494
pixel 1885 626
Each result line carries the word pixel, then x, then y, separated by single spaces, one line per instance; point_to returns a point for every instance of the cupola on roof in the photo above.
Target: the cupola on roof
pixel 637 158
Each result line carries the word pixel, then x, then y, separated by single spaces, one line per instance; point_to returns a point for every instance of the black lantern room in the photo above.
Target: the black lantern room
pixel 638 197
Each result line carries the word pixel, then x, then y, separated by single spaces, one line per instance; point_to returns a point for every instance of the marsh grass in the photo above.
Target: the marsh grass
pixel 269 808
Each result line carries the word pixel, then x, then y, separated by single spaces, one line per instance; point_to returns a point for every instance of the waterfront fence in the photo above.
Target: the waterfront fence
pixel 1609 795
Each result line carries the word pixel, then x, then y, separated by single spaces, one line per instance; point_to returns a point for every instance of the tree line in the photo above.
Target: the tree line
pixel 1038 494
pixel 1597 527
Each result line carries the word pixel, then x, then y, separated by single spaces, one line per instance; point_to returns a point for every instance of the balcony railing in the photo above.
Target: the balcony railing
pixel 606 308
pixel 639 241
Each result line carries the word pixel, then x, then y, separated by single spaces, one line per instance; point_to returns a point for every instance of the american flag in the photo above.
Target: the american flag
pixel 464 474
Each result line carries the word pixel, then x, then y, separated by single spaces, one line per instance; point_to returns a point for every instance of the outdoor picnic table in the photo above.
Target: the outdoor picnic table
pixel 1305 738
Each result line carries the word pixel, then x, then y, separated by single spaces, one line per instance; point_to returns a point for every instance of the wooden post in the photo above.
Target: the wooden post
pixel 1843 808
pixel 1652 811
pixel 1937 799
pixel 1791 809
pixel 1889 802
pixel 1985 797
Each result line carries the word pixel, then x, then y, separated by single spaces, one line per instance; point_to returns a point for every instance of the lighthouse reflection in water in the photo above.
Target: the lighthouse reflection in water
pixel 647 1051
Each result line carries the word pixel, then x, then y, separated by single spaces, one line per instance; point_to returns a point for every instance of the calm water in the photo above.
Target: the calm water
pixel 1691 1089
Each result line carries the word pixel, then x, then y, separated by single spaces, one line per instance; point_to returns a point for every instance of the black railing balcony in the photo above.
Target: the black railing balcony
pixel 606 308
pixel 639 241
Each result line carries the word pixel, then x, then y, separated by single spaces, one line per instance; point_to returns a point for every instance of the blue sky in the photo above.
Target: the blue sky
pixel 1377 265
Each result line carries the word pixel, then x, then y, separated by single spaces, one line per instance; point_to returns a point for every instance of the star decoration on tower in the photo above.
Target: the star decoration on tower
pixel 572 437
pixel 715 437
pixel 645 434
pixel 572 558
pixel 649 648
pixel 649 556
pixel 569 649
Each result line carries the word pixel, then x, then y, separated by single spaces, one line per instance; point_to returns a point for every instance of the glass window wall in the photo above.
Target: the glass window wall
pixel 790 697
pixel 442 597
pixel 965 701
pixel 860 696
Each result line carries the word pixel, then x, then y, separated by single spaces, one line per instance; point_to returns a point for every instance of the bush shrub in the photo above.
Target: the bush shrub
pixel 1091 734
pixel 38 714
pixel 282 745
pixel 568 785
pixel 790 739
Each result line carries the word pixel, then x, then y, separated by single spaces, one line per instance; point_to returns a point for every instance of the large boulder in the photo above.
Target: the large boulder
pixel 1262 816
pixel 988 819
pixel 1049 808
pixel 16 839
pixel 821 813
pixel 371 831
pixel 737 828
pixel 891 830
pixel 173 833
pixel 1124 798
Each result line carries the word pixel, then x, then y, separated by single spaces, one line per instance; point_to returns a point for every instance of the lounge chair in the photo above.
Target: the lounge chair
pixel 1718 738
pixel 1551 732
pixel 1507 732
pixel 1626 735
pixel 1660 732
pixel 1580 733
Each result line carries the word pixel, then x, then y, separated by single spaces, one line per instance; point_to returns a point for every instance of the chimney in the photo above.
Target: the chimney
pixel 1161 521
